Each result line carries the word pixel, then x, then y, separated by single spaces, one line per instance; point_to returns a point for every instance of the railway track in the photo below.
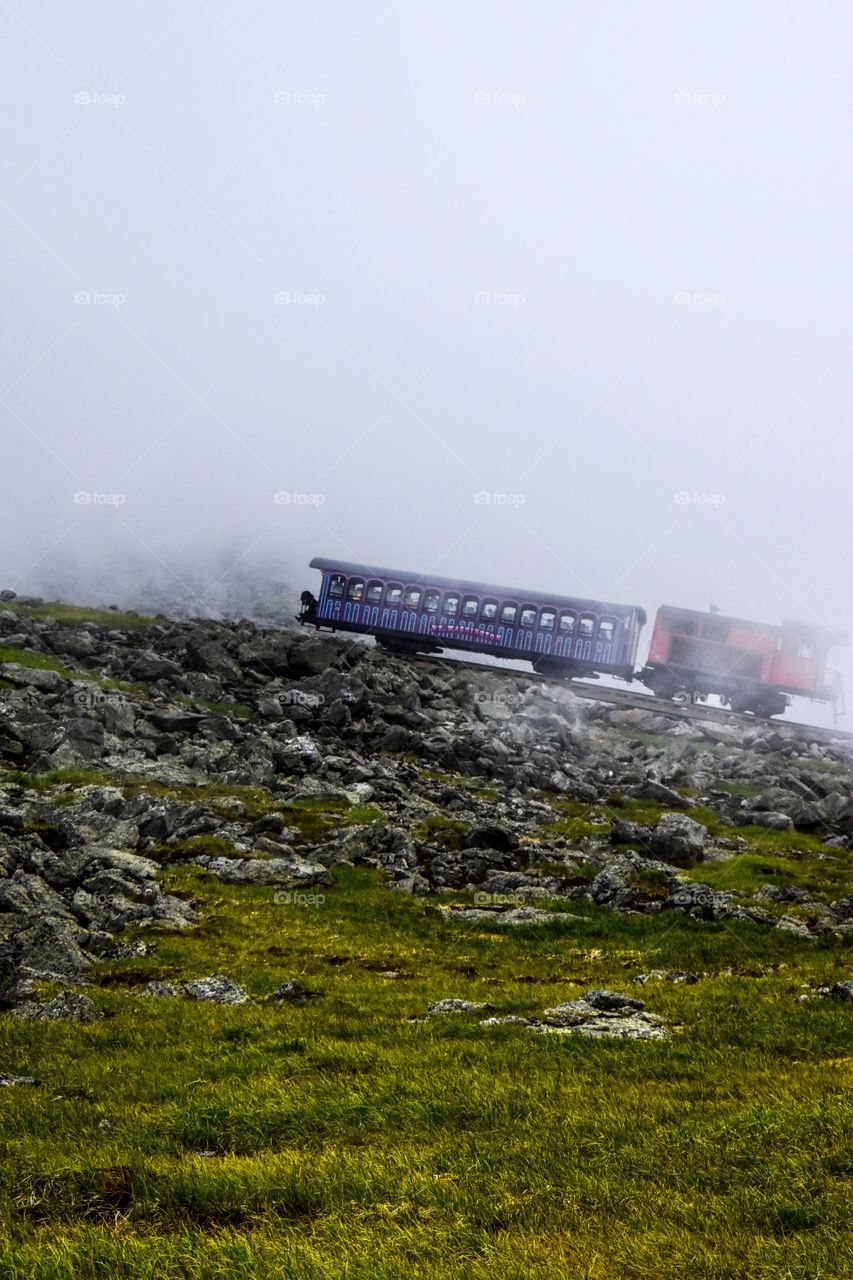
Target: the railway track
pixel 624 699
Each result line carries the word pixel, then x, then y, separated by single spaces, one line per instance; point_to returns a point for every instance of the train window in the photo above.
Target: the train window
pixel 488 611
pixel 355 590
pixel 547 619
pixel 528 615
pixel 605 631
pixel 805 650
pixel 684 627
pixel 451 604
pixel 374 592
pixel 586 626
pixel 713 631
pixel 336 585
pixel 431 599
pixel 412 598
pixel 470 605
pixel 508 614
pixel 567 624
pixel 393 592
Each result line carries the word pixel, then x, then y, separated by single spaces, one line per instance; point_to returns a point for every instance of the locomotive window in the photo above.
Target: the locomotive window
pixel 336 585
pixel 528 615
pixel 567 624
pixel 393 593
pixel 605 632
pixel 587 626
pixel 547 618
pixel 431 601
pixel 805 650
pixel 508 614
pixel 684 627
pixel 374 592
pixel 470 605
pixel 713 631
pixel 355 590
pixel 489 611
pixel 412 598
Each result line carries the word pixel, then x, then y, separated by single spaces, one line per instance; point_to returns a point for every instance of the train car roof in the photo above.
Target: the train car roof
pixel 788 624
pixel 701 615
pixel 476 588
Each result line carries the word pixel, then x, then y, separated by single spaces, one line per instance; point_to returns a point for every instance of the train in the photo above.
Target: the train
pixel 749 666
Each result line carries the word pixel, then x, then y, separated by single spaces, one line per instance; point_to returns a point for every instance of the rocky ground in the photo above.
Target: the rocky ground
pixel 270 757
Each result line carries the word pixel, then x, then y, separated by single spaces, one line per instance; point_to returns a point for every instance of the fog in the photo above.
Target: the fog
pixel 554 294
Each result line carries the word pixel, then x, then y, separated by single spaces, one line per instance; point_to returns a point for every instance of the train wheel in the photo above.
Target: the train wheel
pixel 682 697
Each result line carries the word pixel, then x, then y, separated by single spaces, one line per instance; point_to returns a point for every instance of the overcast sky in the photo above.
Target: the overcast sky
pixel 590 261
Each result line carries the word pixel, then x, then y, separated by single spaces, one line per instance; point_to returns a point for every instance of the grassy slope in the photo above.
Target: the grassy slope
pixel 341 1139
pixel 72 613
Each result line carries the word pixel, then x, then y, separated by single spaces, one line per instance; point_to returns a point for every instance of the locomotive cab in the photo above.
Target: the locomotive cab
pixel 749 666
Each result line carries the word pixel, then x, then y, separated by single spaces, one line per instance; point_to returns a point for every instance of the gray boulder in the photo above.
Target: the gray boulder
pixel 218 989
pixel 68 1006
pixel 679 839
pixel 282 873
pixel 767 818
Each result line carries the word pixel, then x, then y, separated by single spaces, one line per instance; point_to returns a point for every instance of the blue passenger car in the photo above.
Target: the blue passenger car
pixel 414 613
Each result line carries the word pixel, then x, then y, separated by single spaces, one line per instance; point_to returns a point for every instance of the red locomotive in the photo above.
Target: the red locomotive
pixel 750 666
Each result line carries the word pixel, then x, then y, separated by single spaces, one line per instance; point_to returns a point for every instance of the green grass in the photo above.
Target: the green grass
pixel 239 709
pixel 172 1139
pixel 745 789
pixel 35 661
pixel 447 832
pixel 76 614
pixel 745 872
